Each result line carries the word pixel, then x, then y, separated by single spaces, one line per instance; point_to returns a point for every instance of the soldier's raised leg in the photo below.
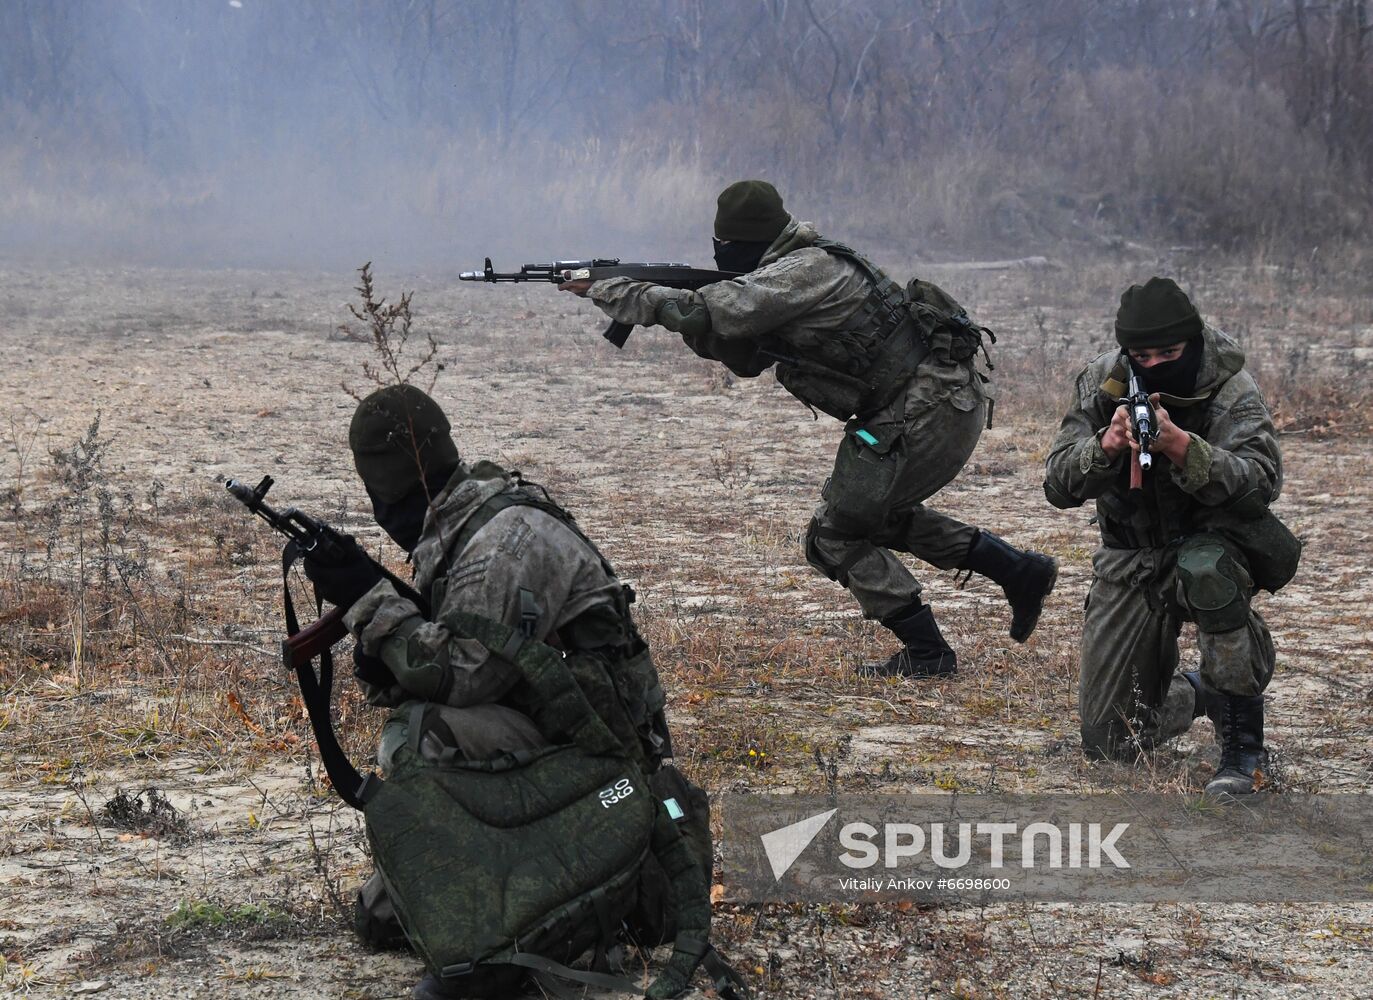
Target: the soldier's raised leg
pixel 885 468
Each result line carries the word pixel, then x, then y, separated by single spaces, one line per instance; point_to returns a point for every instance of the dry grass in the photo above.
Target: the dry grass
pixel 141 613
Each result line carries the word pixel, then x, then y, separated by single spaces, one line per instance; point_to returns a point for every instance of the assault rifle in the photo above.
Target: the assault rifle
pixel 1142 424
pixel 308 536
pixel 668 275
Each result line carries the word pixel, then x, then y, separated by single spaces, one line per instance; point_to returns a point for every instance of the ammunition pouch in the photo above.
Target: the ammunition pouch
pixel 866 466
pixel 852 372
pixel 1269 547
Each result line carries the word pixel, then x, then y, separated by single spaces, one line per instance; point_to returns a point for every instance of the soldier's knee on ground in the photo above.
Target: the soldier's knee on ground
pixel 1213 584
pixel 1109 740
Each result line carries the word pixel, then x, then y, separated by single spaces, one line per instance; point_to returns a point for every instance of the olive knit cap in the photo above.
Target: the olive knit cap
pixel 1155 314
pixel 400 437
pixel 750 211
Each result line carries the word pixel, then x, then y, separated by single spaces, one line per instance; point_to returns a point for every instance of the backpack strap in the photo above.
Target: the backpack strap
pixel 523 495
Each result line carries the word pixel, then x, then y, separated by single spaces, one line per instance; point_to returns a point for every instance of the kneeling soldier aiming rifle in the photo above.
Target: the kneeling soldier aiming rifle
pixel 1172 440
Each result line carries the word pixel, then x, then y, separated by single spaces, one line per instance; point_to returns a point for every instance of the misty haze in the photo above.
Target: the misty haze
pixel 188 191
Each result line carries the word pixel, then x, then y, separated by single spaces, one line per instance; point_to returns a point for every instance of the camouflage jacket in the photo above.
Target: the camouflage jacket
pixel 797 294
pixel 521 548
pixel 1232 461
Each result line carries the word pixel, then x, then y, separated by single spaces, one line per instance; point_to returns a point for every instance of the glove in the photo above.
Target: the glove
pixel 342 573
pixel 370 669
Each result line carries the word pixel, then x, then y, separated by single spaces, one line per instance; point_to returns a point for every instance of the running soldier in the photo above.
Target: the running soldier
pixel 899 366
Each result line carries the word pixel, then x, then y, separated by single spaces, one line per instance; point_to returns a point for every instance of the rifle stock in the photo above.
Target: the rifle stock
pixel 313 639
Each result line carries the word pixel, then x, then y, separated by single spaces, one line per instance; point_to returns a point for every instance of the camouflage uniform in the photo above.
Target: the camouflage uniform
pixel 795 300
pixel 523 567
pixel 1168 551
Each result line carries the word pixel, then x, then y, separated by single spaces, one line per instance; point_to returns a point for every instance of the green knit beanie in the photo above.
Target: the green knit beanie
pixel 1155 314
pixel 400 437
pixel 751 211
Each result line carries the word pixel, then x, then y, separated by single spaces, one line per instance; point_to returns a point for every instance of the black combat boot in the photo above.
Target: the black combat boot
pixel 925 654
pixel 1239 727
pixel 1026 577
pixel 431 987
pixel 1199 693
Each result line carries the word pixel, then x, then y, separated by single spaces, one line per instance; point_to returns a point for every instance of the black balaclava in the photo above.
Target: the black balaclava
pixel 403 519
pixel 740 256
pixel 404 454
pixel 1177 377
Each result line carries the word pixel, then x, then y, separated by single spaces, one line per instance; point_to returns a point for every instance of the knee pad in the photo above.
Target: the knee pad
pixel 1212 584
pixel 813 554
pixel 837 570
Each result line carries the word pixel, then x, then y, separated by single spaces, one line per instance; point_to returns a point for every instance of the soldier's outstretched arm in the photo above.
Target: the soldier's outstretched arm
pixel 743 308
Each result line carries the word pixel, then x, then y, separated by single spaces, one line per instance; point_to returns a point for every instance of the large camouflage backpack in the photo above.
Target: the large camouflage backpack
pixel 514 867
pixel 859 368
pixel 502 868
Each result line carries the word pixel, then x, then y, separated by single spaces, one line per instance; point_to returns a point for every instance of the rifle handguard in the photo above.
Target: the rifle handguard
pixel 669 275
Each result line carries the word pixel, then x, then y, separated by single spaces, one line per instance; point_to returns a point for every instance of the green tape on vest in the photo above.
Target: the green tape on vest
pixel 865 437
pixel 673 809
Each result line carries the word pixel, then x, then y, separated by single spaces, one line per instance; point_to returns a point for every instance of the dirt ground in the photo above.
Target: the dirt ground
pixel 138 626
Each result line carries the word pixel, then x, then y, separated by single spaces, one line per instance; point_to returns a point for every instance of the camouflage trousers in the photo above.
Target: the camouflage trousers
pixel 873 504
pixel 1128 690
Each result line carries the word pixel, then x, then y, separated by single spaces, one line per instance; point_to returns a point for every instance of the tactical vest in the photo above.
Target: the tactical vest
pixel 1161 515
pixel 608 657
pixel 862 366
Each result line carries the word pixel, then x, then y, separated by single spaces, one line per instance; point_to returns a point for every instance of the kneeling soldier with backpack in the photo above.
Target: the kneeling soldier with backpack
pixel 525 816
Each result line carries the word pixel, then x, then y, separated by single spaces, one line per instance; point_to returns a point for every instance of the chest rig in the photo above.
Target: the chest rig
pixel 861 366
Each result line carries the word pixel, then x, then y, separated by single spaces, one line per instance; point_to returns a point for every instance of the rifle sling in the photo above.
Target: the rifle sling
pixel 317 693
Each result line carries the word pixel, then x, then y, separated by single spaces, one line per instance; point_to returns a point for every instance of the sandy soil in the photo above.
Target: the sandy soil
pixel 698 487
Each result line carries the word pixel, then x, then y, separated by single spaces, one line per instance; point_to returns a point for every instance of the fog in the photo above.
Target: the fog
pixel 432 132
